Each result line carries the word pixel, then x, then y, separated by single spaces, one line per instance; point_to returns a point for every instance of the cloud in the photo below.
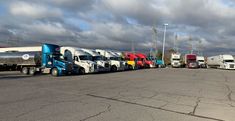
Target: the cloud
pixel 25 9
pixel 119 23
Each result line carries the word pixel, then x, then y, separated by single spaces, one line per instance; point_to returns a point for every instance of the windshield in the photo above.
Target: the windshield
pixel 176 59
pixel 96 58
pixel 58 56
pixel 85 57
pixel 228 61
pixel 114 58
pixel 201 60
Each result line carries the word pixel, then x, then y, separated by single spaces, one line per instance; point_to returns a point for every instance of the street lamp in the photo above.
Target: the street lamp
pixel 163 46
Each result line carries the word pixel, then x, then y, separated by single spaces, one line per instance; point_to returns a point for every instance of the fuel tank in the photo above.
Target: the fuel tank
pixel 20 58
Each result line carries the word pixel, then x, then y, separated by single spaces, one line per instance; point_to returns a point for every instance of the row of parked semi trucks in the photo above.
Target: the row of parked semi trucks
pixel 61 60
pixel 194 61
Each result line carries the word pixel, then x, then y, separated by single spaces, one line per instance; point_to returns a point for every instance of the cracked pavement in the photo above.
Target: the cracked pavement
pixel 143 95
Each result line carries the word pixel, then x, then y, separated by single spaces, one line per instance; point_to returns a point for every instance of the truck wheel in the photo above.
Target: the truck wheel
pixel 130 67
pixel 82 71
pixel 54 72
pixel 32 71
pixel 113 68
pixel 25 70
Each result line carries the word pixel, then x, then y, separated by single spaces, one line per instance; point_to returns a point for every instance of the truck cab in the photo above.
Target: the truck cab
pixel 143 62
pixel 52 59
pixel 227 62
pixel 201 61
pixel 80 58
pixel 175 60
pixel 103 65
pixel 131 59
pixel 115 62
pixel 120 58
pixel 190 61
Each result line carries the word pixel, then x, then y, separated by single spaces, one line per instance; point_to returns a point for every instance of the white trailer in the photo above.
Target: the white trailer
pixel 201 61
pixel 175 60
pixel 116 64
pixel 80 58
pixel 221 61
pixel 103 65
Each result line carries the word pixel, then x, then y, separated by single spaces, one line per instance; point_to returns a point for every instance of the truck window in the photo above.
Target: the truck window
pixel 84 57
pixel 227 61
pixel 176 59
pixel 95 58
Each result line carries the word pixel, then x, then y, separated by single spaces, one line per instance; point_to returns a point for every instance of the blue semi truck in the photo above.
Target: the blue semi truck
pixel 47 59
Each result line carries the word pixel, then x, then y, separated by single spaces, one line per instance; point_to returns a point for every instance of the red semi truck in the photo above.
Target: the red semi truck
pixel 143 62
pixel 190 61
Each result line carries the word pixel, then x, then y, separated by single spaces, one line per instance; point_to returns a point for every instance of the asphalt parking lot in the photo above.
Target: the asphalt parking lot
pixel 142 95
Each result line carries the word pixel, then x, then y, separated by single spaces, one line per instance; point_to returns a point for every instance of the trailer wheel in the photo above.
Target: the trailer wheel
pixel 113 68
pixel 32 71
pixel 25 70
pixel 82 71
pixel 54 72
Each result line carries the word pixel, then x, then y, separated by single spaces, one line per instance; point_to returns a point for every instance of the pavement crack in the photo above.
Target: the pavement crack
pixel 195 107
pixel 153 107
pixel 98 114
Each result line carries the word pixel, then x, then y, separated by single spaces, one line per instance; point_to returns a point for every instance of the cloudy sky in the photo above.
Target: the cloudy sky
pixel 116 24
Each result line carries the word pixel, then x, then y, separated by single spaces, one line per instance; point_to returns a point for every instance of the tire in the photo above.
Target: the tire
pixel 32 71
pixel 82 71
pixel 54 72
pixel 113 68
pixel 25 70
pixel 130 67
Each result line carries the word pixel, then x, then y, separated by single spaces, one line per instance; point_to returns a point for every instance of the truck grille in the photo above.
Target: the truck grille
pixel 231 65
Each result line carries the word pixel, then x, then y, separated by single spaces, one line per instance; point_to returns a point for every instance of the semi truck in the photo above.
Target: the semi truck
pixel 221 61
pixel 190 61
pixel 175 60
pixel 201 61
pixel 143 62
pixel 82 59
pixel 115 63
pixel 120 58
pixel 46 59
pixel 103 65
pixel 131 60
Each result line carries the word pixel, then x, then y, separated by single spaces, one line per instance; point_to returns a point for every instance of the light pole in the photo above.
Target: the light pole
pixel 163 46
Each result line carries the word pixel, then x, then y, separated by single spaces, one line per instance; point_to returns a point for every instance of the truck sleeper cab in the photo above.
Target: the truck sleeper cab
pixel 175 60
pixel 115 63
pixel 143 62
pixel 131 60
pixel 191 61
pixel 82 59
pixel 103 65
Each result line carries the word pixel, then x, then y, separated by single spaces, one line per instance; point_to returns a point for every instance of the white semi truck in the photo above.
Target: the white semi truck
pixel 201 61
pixel 175 60
pixel 120 58
pixel 103 65
pixel 221 61
pixel 116 64
pixel 80 58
